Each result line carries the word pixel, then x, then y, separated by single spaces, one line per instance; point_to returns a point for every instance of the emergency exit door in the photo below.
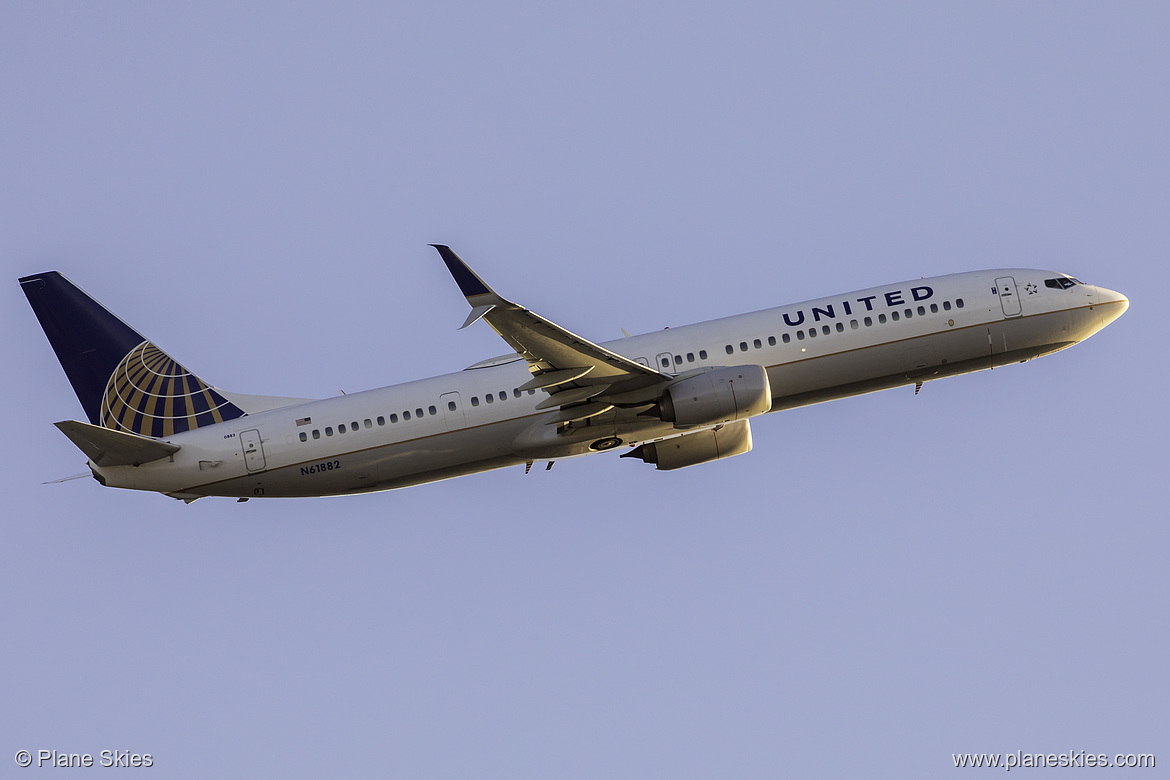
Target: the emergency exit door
pixel 253 450
pixel 1009 298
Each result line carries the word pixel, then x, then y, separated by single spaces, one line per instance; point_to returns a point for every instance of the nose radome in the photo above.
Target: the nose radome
pixel 1113 304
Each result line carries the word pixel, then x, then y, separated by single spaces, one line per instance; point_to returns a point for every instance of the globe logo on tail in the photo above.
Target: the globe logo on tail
pixel 150 394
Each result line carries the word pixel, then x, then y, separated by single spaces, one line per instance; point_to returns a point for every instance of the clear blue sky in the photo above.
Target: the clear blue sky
pixel 882 582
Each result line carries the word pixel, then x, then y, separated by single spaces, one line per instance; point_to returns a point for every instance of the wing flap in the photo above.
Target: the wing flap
pixel 580 412
pixel 571 396
pixel 547 379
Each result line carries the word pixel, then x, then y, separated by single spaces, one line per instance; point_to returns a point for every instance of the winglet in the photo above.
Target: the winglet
pixel 469 284
pixel 476 313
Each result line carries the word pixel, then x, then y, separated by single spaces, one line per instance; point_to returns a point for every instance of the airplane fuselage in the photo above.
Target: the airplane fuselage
pixel 480 418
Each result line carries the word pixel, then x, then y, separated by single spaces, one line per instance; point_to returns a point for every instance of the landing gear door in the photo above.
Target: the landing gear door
pixel 253 450
pixel 1009 297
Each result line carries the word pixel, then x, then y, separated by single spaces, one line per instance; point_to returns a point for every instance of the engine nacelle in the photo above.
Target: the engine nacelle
pixel 691 449
pixel 720 395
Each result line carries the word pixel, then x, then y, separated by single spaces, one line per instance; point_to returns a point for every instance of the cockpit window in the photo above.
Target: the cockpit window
pixel 1062 283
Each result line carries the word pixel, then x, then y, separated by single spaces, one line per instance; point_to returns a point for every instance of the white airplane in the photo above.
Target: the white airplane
pixel 673 398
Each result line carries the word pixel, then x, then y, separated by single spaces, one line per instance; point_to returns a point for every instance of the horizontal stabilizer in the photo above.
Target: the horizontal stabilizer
pixel 107 447
pixel 82 475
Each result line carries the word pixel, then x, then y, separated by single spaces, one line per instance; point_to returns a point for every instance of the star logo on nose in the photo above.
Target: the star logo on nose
pixel 1031 288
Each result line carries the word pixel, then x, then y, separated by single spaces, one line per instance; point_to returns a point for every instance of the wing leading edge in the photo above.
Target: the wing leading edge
pixel 584 379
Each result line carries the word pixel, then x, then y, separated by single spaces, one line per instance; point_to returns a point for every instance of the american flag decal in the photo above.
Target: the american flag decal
pixel 304 421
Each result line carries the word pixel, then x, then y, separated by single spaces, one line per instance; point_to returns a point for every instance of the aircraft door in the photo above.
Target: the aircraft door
pixel 452 411
pixel 664 363
pixel 253 450
pixel 1009 298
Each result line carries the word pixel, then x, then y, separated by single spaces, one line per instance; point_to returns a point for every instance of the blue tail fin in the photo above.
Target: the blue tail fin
pixel 122 380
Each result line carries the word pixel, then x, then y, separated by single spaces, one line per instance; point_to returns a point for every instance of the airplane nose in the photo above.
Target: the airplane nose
pixel 1110 304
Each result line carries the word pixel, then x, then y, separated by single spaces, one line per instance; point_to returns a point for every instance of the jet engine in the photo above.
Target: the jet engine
pixel 717 396
pixel 690 449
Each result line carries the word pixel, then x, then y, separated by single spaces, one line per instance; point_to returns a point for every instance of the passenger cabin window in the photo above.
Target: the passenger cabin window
pixel 934 308
pixel 328 430
pixel 418 413
pixel 841 327
pixel 958 303
pixel 304 436
pixel 786 338
pixel 946 305
pixel 432 410
pixel 730 350
pixel 895 316
pixel 743 346
pixel 921 311
pixel 381 420
pixel 451 405
pixel 702 354
pixel 316 434
pixel 406 415
pixel 475 400
pixel 368 422
pixel 868 322
pixel 771 341
pixel 393 418
pixel 757 344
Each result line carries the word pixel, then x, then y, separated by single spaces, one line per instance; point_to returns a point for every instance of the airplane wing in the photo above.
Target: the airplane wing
pixel 583 378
